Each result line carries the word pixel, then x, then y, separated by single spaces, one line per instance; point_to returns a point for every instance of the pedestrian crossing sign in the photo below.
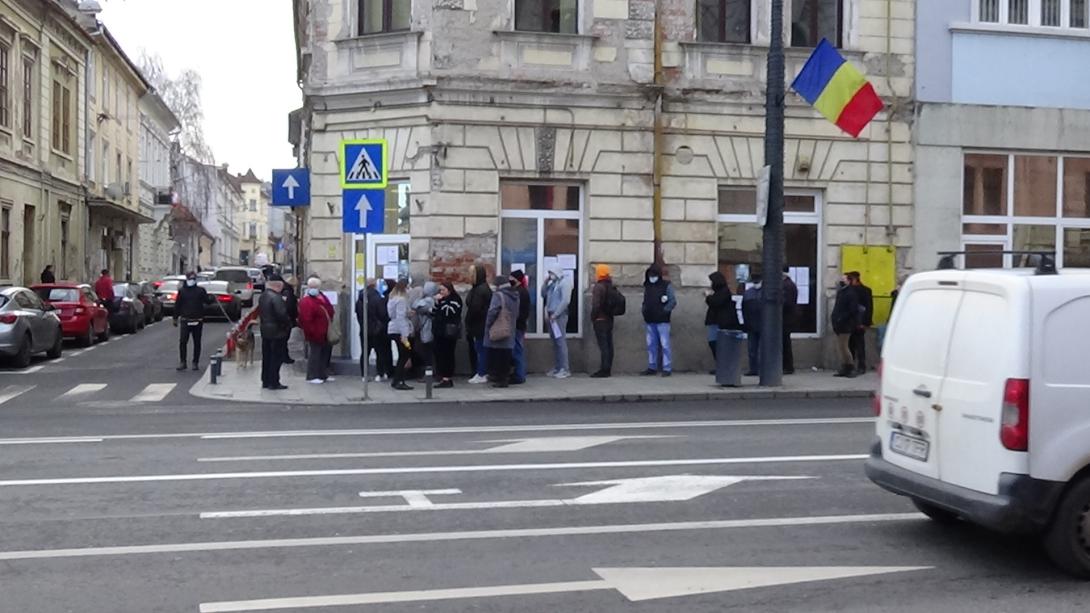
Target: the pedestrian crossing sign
pixel 364 164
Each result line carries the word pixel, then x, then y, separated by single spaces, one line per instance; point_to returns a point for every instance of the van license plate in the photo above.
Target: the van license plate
pixel 909 446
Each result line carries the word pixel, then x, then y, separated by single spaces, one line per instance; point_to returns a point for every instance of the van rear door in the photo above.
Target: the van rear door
pixel 989 345
pixel 914 362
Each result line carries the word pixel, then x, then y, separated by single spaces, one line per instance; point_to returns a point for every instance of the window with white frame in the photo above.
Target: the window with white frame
pixel 541 226
pixel 1025 202
pixel 813 20
pixel 1038 13
pixel 29 61
pixel 723 21
pixel 741 241
pixel 5 84
pixel 557 16
pixel 63 109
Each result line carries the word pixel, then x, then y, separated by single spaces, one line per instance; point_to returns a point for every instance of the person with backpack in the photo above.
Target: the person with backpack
pixel 606 302
pixel 520 281
pixel 659 302
pixel 476 307
pixel 556 294
pixel 423 307
pixel 447 328
pixel 722 313
pixel 500 322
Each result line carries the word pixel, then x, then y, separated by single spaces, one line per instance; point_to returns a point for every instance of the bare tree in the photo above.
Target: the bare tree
pixel 182 94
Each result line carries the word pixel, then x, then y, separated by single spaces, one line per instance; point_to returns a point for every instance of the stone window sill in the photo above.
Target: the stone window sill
pixel 1020 30
pixel 544 37
pixel 378 37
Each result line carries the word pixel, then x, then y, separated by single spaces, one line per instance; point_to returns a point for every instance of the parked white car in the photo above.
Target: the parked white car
pixel 984 404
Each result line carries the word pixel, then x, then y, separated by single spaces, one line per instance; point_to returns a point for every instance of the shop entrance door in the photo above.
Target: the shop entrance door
pixel 384 256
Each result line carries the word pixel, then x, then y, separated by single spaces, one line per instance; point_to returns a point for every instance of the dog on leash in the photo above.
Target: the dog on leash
pixel 244 347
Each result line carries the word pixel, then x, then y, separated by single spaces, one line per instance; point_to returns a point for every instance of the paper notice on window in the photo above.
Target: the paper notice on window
pixel 331 296
pixel 570 275
pixel 804 294
pixel 518 266
pixel 550 263
pixel 389 271
pixel 386 255
pixel 566 261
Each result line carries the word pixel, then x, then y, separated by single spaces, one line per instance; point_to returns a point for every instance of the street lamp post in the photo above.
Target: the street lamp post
pixel 771 349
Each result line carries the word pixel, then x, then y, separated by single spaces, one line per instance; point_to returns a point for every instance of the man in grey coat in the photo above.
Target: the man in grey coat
pixel 557 296
pixel 275 327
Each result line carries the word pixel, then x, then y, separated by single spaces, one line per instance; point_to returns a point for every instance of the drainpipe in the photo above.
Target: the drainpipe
pixel 890 232
pixel 658 144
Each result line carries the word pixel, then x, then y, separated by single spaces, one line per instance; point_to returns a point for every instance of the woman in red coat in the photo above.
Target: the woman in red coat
pixel 315 317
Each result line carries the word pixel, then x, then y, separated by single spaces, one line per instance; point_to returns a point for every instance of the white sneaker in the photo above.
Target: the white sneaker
pixel 562 374
pixel 552 373
pixel 316 381
pixel 379 378
pixel 330 379
pixel 478 379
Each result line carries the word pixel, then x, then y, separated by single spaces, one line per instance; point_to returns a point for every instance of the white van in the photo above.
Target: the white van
pixel 984 404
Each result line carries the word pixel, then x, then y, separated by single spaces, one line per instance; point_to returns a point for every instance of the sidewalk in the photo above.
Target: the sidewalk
pixel 245 386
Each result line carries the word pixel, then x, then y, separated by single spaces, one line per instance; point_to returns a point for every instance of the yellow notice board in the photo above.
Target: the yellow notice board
pixel 878 266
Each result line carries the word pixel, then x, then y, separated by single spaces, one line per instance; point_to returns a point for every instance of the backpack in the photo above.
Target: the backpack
pixel 503 325
pixel 615 302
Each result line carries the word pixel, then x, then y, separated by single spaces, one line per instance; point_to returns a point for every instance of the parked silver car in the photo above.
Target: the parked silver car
pixel 241 281
pixel 28 326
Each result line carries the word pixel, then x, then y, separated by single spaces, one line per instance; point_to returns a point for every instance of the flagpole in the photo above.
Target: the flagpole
pixel 771 348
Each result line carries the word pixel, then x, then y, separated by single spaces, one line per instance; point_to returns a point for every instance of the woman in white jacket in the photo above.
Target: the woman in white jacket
pixel 400 330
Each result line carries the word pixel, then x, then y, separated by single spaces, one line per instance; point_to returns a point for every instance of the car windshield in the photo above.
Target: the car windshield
pixel 58 294
pixel 121 289
pixel 170 286
pixel 233 276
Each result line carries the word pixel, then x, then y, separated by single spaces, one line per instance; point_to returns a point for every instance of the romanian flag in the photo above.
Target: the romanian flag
pixel 837 90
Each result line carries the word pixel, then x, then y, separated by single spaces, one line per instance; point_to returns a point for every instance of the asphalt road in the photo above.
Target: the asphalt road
pixel 110 504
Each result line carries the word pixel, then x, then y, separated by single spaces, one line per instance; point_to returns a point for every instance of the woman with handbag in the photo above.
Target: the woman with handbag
pixel 499 330
pixel 316 320
pixel 400 330
pixel 447 327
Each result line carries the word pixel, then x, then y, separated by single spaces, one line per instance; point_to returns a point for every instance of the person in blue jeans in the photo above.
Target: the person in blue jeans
pixel 751 318
pixel 518 279
pixel 557 296
pixel 658 303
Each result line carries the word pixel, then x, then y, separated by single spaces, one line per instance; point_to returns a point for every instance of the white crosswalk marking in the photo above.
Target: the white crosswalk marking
pixel 12 391
pixel 154 392
pixel 83 389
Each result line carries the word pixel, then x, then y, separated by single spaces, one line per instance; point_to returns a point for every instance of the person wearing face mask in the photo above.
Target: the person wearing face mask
pixel 315 316
pixel 189 313
pixel 658 303
pixel 557 296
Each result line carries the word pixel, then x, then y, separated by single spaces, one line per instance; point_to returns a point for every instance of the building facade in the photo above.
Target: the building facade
pixel 43 55
pixel 157 122
pixel 1003 157
pixel 525 133
pixel 253 219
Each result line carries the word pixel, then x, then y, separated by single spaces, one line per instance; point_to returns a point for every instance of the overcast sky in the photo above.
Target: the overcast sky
pixel 245 53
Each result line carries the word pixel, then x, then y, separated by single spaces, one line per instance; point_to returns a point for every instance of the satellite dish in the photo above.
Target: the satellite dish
pixel 115 191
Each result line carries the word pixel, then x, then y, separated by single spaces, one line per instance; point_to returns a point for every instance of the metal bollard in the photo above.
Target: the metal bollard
pixel 429 378
pixel 217 366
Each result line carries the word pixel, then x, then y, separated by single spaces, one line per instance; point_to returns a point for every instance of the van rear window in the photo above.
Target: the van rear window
pixel 920 336
pixel 232 276
pixel 983 331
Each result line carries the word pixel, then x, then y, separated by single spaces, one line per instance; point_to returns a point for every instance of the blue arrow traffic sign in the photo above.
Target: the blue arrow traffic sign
pixel 291 187
pixel 364 164
pixel 364 211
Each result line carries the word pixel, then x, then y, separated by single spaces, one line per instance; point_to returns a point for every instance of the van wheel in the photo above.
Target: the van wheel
pixel 936 514
pixel 1067 539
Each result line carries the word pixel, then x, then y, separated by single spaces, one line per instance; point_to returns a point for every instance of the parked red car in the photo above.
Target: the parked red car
pixel 81 315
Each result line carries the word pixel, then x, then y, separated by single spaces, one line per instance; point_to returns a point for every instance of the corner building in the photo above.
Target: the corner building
pixel 522 132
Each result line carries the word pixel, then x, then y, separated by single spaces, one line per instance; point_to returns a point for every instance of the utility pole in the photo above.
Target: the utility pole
pixel 771 358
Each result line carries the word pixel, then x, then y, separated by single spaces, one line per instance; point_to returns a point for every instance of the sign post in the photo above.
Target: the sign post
pixel 364 176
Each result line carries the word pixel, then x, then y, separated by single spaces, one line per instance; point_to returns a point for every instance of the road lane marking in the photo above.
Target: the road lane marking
pixel 25 371
pixel 831 421
pixel 555 444
pixel 426 469
pixel 83 389
pixel 433 537
pixel 154 392
pixel 672 488
pixel 635 584
pixel 14 391
pixel 66 441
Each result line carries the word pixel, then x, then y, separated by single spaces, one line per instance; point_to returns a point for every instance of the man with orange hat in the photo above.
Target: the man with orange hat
pixel 605 303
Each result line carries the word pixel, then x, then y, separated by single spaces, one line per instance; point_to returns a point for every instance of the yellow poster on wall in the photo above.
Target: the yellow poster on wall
pixel 877 264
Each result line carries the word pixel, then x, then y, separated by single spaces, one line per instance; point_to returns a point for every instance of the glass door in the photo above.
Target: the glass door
pixel 384 256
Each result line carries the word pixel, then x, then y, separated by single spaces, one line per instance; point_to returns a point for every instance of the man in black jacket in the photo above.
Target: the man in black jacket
pixel 292 302
pixel 846 318
pixel 477 301
pixel 189 310
pixel 518 279
pixel 866 320
pixel 790 311
pixel 373 324
pixel 275 327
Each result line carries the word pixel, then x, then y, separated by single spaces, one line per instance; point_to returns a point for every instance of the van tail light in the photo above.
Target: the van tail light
pixel 876 399
pixel 1014 428
pixel 8 318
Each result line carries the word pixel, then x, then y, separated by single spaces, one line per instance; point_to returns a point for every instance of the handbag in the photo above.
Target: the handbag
pixel 332 333
pixel 501 327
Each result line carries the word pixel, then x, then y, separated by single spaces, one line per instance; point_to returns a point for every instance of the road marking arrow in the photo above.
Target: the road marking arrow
pixel 636 584
pixel 548 444
pixel 675 488
pixel 290 184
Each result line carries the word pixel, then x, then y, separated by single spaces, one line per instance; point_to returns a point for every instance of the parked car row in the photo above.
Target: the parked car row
pixel 227 305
